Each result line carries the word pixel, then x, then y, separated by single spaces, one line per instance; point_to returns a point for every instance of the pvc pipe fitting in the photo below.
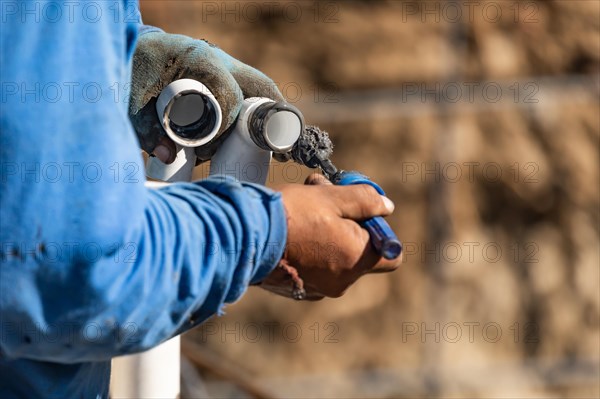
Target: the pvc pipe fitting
pixel 191 117
pixel 263 126
pixel 189 113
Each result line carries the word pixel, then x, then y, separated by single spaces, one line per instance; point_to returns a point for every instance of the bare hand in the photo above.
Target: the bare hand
pixel 325 243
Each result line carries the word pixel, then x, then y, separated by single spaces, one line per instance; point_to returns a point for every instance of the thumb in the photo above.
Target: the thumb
pixel 361 202
pixel 165 151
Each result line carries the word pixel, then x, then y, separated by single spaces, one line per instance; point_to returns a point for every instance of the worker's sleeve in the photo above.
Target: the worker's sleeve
pixel 92 263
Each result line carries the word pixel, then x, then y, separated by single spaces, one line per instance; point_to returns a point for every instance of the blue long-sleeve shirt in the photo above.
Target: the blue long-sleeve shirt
pixel 93 264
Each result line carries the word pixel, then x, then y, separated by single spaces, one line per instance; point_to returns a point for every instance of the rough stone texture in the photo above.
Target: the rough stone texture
pixel 543 291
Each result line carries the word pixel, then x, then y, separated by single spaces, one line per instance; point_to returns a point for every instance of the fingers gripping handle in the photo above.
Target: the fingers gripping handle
pixel 383 238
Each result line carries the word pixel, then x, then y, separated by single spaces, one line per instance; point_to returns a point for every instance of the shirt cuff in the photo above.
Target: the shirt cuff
pixel 147 29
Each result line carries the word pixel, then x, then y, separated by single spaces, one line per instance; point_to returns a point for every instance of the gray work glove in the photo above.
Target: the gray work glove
pixel 161 58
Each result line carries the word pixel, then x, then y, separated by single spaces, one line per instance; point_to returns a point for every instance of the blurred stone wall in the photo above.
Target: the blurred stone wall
pixel 483 127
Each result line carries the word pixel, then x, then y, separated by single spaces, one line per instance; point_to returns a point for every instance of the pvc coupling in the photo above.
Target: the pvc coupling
pixel 189 113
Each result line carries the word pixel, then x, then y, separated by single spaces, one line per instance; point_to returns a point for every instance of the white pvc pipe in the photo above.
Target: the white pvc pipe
pixel 239 156
pixel 180 170
pixel 283 130
pixel 152 374
pixel 181 105
pixel 184 102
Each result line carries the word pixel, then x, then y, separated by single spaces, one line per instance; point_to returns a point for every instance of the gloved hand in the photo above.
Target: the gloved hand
pixel 326 247
pixel 161 58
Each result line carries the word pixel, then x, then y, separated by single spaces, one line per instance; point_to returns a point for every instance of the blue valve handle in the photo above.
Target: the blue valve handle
pixel 383 238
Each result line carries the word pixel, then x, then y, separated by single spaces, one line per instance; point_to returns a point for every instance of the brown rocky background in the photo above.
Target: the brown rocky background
pixel 483 126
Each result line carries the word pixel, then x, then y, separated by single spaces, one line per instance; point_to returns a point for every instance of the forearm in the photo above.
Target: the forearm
pixel 198 246
pixel 218 236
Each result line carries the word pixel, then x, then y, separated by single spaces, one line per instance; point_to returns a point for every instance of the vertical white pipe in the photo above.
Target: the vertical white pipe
pixel 152 374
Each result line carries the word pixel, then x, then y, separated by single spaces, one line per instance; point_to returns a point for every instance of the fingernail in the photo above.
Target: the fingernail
pixel 389 205
pixel 162 152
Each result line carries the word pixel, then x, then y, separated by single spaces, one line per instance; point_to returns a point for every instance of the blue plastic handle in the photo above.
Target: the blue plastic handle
pixel 383 238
